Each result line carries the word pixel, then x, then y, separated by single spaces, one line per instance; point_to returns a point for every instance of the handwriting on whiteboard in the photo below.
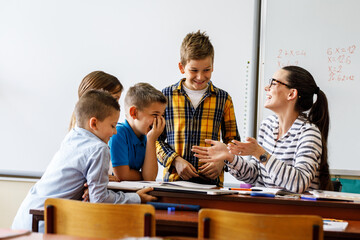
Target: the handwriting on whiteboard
pixel 339 62
pixel 288 57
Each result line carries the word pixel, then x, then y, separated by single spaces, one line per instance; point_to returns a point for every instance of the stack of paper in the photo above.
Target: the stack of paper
pixel 331 195
pixel 334 225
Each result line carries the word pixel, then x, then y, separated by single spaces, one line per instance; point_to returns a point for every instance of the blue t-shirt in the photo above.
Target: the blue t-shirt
pixel 126 148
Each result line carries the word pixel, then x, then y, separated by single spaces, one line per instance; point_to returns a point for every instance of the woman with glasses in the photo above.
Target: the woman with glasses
pixel 291 151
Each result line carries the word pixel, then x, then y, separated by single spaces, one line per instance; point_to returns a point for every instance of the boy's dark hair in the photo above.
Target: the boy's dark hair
pixel 196 46
pixel 95 103
pixel 141 95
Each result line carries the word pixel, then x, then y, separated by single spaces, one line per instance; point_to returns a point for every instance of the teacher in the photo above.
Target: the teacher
pixel 291 151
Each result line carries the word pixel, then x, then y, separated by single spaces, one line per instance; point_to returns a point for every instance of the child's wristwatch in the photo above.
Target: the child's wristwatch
pixel 264 157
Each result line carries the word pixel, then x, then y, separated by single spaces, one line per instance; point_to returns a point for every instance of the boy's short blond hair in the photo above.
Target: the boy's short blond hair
pixel 141 95
pixel 196 46
pixel 95 103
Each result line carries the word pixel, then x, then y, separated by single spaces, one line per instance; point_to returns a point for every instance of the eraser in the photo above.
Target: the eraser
pixel 245 185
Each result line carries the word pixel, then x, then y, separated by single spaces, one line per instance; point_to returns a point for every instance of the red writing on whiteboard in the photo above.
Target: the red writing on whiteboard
pixel 339 62
pixel 288 57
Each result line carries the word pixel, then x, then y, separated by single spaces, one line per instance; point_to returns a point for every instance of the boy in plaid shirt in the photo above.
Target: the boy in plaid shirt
pixel 196 110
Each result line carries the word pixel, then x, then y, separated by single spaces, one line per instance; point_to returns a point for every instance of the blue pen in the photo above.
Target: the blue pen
pixel 260 194
pixel 312 198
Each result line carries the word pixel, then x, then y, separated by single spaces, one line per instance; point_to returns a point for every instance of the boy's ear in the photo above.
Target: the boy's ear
pixel 133 112
pixel 293 94
pixel 93 123
pixel 182 68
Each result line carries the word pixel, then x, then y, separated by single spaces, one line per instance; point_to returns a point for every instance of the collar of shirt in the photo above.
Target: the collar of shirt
pixel 179 86
pixel 294 129
pixel 84 132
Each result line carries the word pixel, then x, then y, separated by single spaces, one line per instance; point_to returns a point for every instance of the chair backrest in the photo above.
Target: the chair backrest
pixel 222 224
pixel 101 220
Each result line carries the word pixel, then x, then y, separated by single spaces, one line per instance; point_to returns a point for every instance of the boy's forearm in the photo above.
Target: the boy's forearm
pixel 150 167
pixel 127 174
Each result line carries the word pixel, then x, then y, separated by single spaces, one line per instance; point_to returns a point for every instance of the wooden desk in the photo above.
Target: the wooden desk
pixel 184 223
pixel 245 203
pixel 41 236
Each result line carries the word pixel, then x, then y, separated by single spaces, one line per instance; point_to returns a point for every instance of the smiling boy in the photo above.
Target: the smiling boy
pixel 196 110
pixel 133 154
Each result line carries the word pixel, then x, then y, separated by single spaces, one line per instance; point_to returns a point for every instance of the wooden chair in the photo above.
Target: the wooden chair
pixel 101 220
pixel 221 224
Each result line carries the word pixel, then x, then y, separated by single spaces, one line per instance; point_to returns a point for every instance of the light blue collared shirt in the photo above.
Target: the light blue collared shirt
pixel 83 157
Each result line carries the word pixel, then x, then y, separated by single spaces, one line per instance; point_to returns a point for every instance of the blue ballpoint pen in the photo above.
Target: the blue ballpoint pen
pixel 260 194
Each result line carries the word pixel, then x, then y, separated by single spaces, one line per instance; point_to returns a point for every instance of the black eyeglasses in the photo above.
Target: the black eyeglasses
pixel 271 80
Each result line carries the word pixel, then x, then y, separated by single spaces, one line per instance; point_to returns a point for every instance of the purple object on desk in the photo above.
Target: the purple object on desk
pixel 245 185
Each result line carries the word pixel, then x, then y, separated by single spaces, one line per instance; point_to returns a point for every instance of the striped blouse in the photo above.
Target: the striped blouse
pixel 214 118
pixel 294 162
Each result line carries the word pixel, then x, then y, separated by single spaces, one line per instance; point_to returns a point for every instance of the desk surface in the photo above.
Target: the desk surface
pixel 184 223
pixel 245 203
pixel 40 236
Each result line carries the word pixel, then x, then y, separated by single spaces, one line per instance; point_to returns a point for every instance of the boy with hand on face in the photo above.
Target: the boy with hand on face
pixel 83 157
pixel 133 154
pixel 196 110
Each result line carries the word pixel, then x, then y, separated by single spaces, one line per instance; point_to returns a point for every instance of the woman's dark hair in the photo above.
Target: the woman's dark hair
pixel 304 83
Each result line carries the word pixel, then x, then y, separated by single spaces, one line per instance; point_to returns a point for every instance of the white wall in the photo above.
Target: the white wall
pixel 12 194
pixel 48 46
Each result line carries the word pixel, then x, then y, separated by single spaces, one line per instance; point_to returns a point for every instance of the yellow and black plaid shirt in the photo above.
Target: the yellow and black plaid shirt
pixel 186 126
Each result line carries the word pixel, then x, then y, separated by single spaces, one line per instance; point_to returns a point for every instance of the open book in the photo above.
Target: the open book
pixel 177 186
pixel 136 185
pixel 331 195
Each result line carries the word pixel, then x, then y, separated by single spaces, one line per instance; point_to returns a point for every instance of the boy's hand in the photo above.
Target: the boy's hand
pixel 85 196
pixel 212 170
pixel 184 168
pixel 144 196
pixel 157 128
pixel 113 178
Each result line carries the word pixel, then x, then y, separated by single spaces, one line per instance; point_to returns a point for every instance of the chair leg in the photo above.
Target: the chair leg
pixel 316 230
pixel 206 228
pixel 50 219
pixel 147 225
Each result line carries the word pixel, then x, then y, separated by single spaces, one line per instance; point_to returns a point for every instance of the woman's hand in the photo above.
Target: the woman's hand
pixel 212 169
pixel 218 152
pixel 250 147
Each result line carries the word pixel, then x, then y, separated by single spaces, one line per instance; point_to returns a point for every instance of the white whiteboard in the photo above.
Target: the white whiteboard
pixel 323 36
pixel 48 46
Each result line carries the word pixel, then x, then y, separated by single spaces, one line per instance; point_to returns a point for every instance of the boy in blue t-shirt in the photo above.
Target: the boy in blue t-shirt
pixel 83 157
pixel 132 149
